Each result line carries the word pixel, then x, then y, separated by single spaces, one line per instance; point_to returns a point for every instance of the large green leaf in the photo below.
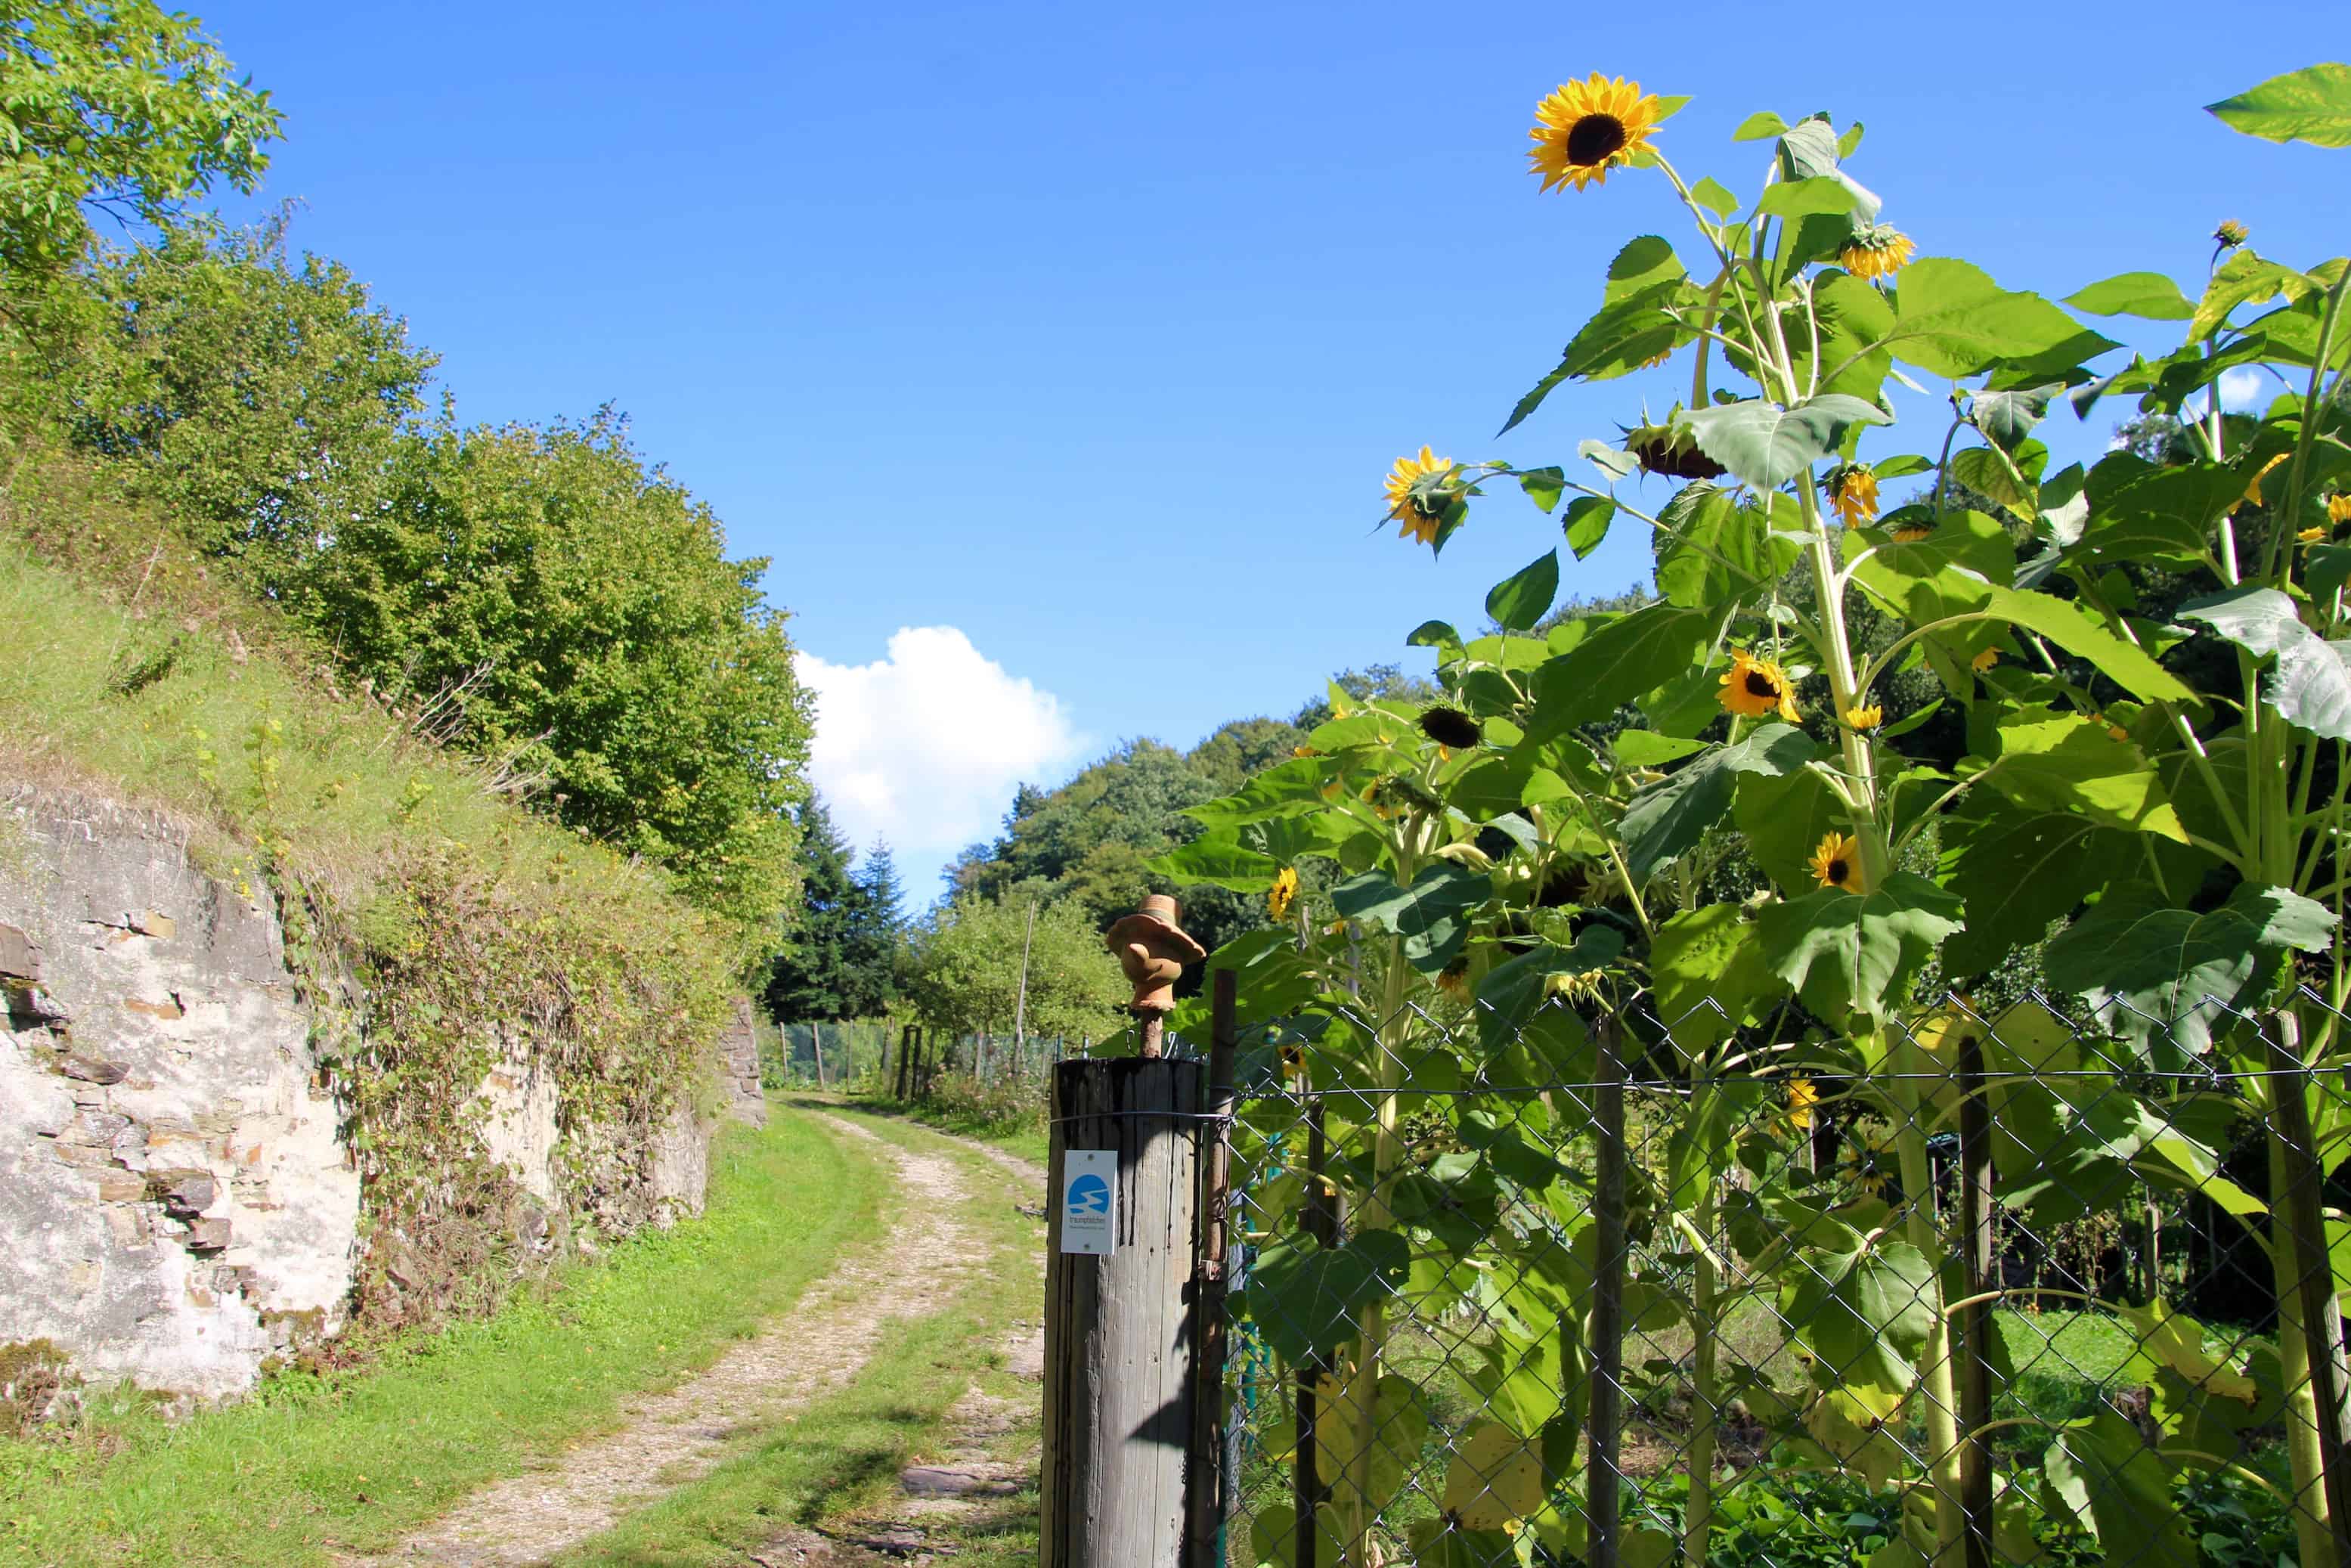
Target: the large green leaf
pixel 2064 762
pixel 1951 319
pixel 2150 295
pixel 2147 967
pixel 1309 1299
pixel 1430 915
pixel 1670 817
pixel 1218 860
pixel 2018 870
pixel 1857 949
pixel 2313 104
pixel 1767 445
pixel 1864 1315
pixel 2063 622
pixel 1714 547
pixel 1513 993
pixel 2311 685
pixel 2241 279
pixel 2140 512
pixel 1615 663
pixel 2110 1476
pixel 1853 319
pixel 1524 597
pixel 1783 819
pixel 1709 969
pixel 1292 786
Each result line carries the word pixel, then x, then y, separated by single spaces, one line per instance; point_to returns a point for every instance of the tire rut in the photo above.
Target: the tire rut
pixel 672 1439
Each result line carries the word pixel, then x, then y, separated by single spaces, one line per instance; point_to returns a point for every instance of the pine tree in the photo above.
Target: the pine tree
pixel 877 936
pixel 812 977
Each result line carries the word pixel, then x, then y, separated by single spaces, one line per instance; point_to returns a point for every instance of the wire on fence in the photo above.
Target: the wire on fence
pixel 1980 1291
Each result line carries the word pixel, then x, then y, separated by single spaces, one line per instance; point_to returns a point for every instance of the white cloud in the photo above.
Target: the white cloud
pixel 2241 388
pixel 926 746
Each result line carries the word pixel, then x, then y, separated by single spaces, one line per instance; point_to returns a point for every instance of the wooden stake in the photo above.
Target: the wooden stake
pixel 816 1043
pixel 2304 1230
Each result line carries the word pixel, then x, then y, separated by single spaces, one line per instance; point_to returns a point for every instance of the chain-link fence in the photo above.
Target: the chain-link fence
pixel 1978 1289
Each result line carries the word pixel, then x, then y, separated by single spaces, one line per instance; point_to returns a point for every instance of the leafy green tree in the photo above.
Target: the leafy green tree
pixel 120 108
pixel 967 970
pixel 570 612
pixel 261 399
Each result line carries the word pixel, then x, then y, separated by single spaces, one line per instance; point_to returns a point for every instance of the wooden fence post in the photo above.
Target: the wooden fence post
pixel 1122 1329
pixel 905 1044
pixel 2300 1206
pixel 1977 1219
pixel 1321 1221
pixel 816 1043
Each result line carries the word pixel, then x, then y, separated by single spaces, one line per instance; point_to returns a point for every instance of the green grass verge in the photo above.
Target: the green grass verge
pixel 839 1459
pixel 356 1460
pixel 1026 1138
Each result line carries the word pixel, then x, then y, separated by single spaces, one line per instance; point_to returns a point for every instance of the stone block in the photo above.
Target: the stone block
pixel 208 1236
pixel 92 1070
pixel 120 1186
pixel 20 956
pixel 183 1193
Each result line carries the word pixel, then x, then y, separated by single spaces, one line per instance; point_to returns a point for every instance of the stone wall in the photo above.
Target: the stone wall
pixel 179 1202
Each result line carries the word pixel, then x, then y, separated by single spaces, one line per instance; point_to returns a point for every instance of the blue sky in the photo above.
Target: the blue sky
pixel 1088 331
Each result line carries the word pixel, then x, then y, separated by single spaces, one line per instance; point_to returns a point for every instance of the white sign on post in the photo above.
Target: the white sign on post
pixel 1089 1201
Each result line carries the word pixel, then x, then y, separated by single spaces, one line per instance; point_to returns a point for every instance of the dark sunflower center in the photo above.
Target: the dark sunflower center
pixel 1594 139
pixel 1837 871
pixel 1760 685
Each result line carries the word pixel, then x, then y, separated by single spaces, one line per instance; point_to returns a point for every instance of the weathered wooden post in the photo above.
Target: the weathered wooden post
pixel 1205 1471
pixel 906 1046
pixel 1123 1322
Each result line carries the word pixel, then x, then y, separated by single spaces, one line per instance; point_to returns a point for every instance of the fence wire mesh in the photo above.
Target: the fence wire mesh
pixel 2001 1290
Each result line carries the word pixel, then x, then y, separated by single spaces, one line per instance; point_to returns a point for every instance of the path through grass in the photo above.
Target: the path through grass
pixel 355 1460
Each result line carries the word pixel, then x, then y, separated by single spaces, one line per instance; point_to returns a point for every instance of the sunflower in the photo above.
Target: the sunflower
pixel 2254 490
pixel 1867 1165
pixel 1753 687
pixel 2230 234
pixel 1984 660
pixel 1876 251
pixel 1293 1061
pixel 1587 128
pixel 1670 450
pixel 2311 535
pixel 1449 727
pixel 1837 862
pixel 1802 1095
pixel 1865 718
pixel 2338 509
pixel 1404 506
pixel 1282 893
pixel 1853 491
pixel 1454 980
pixel 1911 533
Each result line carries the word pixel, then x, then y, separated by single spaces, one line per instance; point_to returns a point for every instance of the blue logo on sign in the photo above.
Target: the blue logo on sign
pixel 1089 1198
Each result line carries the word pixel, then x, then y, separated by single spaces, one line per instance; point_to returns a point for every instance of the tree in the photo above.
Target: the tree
pixel 877 936
pixel 968 970
pixel 121 108
pixel 261 400
pixel 808 979
pixel 573 612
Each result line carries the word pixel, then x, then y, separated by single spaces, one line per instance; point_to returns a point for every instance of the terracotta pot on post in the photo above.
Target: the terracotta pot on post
pixel 1152 950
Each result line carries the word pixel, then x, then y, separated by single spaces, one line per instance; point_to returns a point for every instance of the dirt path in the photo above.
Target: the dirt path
pixel 985 1459
pixel 671 1439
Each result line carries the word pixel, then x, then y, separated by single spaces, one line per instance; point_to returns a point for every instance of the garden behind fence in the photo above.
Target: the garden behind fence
pixel 2023 1293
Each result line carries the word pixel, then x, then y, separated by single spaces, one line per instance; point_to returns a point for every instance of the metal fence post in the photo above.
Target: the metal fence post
pixel 1602 1478
pixel 1204 1471
pixel 1320 1221
pixel 1976 1327
pixel 1122 1329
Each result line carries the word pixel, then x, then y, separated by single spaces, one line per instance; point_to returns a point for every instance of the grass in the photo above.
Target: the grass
pixel 837 1460
pixel 1022 1133
pixel 356 1460
pixel 166 697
